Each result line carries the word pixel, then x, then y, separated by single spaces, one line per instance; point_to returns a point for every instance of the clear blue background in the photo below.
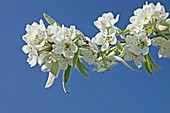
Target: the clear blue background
pixel 119 91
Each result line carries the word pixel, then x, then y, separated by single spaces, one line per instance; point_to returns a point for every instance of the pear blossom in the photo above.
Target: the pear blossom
pixel 159 11
pixel 107 33
pixel 163 44
pixel 138 43
pixel 32 54
pixel 52 31
pixel 138 59
pixel 105 40
pixel 36 35
pixel 35 39
pixel 104 63
pixel 62 61
pixel 64 44
pixel 89 54
pixel 147 17
pixel 106 21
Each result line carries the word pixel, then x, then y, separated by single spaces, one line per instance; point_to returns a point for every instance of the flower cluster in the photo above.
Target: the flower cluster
pixel 149 26
pixel 148 17
pixel 53 47
pixel 58 48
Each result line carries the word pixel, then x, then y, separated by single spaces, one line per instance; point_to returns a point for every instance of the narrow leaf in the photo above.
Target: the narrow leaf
pixel 67 74
pixel 126 31
pixel 64 85
pixel 50 80
pixel 148 65
pixel 54 69
pixel 75 58
pixel 83 66
pixel 152 62
pixel 50 20
pixel 81 69
pixel 124 62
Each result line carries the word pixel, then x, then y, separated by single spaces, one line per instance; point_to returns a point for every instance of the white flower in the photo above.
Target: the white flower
pixel 106 21
pixel 138 43
pixel 46 67
pixel 149 15
pixel 64 43
pixel 164 47
pixel 32 54
pixel 36 34
pixel 35 38
pixel 138 59
pixel 62 61
pixel 89 54
pixel 104 64
pixel 43 56
pixel 52 31
pixel 105 40
pixel 159 11
pixel 141 17
pixel 106 36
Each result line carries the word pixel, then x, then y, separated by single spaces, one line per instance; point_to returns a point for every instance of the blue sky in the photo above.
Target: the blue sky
pixel 118 91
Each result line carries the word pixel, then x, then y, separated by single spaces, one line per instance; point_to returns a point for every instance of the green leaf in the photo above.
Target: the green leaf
pixel 148 65
pixel 152 62
pixel 50 20
pixel 67 74
pixel 83 66
pixel 64 85
pixel 50 80
pixel 126 31
pixel 54 69
pixel 123 62
pixel 75 58
pixel 81 69
pixel 122 33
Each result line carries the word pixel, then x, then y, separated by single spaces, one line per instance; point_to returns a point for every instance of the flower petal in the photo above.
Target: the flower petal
pixel 59 49
pixel 26 49
pixel 104 46
pixel 74 48
pixel 68 54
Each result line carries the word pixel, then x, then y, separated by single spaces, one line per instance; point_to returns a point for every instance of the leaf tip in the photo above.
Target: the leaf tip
pixel 44 14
